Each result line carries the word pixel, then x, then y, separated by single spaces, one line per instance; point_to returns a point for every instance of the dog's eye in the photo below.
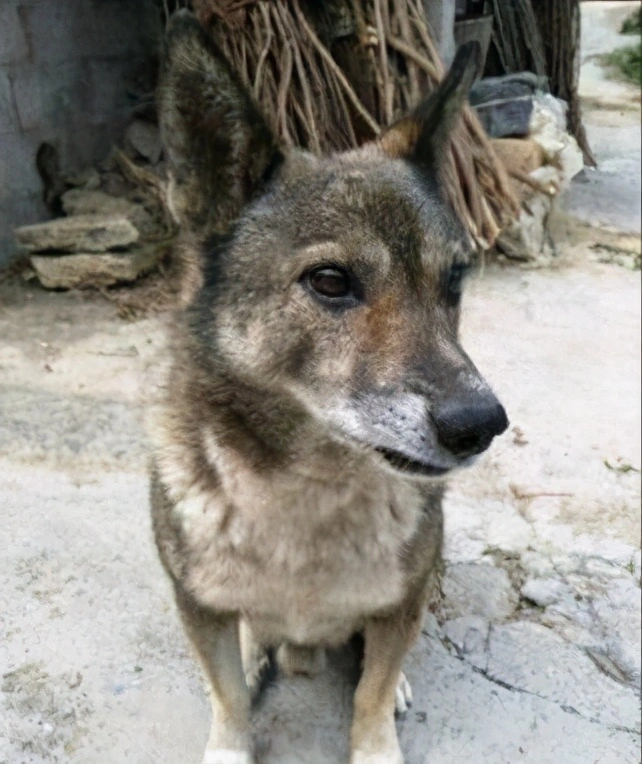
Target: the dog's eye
pixel 333 283
pixel 455 280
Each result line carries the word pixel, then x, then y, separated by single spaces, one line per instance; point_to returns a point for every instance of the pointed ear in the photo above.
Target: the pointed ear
pixel 422 137
pixel 218 146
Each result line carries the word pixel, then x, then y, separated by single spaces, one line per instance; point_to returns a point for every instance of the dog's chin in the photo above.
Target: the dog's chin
pixel 411 467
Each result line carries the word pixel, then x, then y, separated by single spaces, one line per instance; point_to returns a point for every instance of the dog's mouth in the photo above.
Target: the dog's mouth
pixel 405 464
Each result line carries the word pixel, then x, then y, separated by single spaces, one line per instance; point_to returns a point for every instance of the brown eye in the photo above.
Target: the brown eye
pixel 330 282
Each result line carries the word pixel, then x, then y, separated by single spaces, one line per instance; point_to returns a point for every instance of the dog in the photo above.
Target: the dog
pixel 317 394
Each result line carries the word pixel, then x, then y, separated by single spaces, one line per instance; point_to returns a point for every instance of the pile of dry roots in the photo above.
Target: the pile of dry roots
pixel 332 75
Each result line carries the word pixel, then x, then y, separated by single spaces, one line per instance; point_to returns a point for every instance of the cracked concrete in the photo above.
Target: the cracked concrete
pixel 534 655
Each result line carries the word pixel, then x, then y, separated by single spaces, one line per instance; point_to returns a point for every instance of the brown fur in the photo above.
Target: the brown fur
pixel 273 510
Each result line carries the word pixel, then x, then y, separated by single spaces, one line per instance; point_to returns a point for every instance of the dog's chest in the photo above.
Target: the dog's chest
pixel 302 559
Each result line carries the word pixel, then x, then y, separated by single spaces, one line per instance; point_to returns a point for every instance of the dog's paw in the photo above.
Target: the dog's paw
pixel 296 660
pixel 227 756
pixel 403 695
pixel 393 757
pixel 258 672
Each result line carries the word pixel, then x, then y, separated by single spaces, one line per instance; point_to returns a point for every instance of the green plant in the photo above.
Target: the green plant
pixel 633 23
pixel 626 63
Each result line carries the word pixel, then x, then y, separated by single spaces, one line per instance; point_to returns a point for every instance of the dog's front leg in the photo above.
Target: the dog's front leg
pixel 215 639
pixel 374 736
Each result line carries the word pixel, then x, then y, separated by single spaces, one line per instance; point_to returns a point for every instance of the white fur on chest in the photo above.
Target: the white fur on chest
pixel 304 554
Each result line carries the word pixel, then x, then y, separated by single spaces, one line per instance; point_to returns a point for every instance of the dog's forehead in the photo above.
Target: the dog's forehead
pixel 383 200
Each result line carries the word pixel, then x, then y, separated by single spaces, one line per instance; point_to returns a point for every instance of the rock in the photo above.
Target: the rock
pixel 144 138
pixel 88 178
pixel 478 590
pixel 506 118
pixel 79 201
pixel 78 233
pixel 504 105
pixel 548 128
pixel 527 238
pixel 95 270
pixel 518 85
pixel 543 591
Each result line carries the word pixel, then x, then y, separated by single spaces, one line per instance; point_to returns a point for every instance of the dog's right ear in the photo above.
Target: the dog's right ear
pixel 423 136
pixel 219 148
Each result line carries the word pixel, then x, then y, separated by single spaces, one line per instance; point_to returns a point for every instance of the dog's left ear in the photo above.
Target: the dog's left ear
pixel 219 147
pixel 422 136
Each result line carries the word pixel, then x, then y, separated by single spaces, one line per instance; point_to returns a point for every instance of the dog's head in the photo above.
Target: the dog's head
pixel 336 280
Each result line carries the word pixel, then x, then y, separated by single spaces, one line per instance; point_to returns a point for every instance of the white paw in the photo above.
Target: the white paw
pixel 359 757
pixel 226 756
pixel 403 695
pixel 256 670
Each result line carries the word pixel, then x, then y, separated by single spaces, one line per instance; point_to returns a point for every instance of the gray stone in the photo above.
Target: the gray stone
pixel 146 215
pixel 79 201
pixel 94 270
pixel 543 591
pixel 519 85
pixel 144 138
pixel 478 589
pixel 79 233
pixel 88 178
pixel 528 238
pixel 502 119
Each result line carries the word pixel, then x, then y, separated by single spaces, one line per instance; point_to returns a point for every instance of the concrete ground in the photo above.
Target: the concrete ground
pixel 535 656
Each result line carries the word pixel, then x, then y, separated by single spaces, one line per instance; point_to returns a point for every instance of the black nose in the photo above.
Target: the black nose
pixel 467 427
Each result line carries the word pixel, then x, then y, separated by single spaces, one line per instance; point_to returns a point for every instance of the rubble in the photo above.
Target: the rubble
pixel 541 165
pixel 79 233
pixel 528 238
pixel 83 201
pixel 96 270
pixel 116 225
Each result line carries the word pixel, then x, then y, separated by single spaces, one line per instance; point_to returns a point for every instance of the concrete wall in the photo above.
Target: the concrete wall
pixel 70 71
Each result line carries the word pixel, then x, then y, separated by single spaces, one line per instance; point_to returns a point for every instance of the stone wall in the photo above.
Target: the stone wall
pixel 70 73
